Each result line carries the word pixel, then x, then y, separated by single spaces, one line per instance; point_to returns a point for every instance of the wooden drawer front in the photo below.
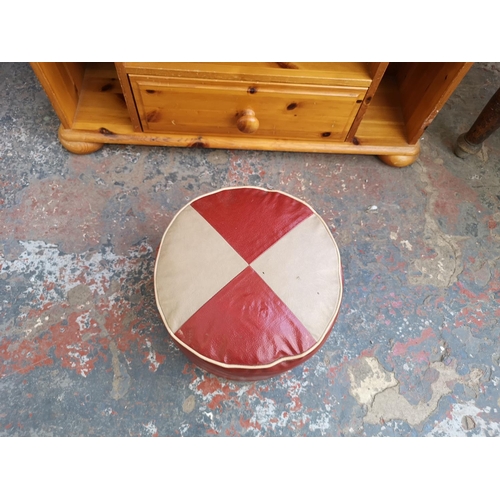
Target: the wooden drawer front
pixel 213 107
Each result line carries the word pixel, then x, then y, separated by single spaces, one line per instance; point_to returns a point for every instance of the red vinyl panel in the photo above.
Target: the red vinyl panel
pixel 245 323
pixel 251 220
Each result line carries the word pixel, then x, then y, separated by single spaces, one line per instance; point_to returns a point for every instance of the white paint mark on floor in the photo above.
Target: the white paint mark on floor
pixel 453 426
pixel 368 378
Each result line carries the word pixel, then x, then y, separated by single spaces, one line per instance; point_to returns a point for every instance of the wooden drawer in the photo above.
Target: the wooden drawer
pixel 176 105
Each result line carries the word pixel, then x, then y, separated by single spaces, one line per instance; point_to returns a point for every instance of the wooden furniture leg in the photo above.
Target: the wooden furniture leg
pixel 486 123
pixel 79 148
pixel 399 160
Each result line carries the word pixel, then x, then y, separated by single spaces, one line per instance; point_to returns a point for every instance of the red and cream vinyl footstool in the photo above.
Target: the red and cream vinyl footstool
pixel 248 282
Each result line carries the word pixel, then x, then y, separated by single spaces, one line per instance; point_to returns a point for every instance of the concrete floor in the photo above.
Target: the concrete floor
pixel 83 351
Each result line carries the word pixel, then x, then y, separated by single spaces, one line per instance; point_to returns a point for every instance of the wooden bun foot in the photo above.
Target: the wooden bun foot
pixel 79 148
pixel 398 160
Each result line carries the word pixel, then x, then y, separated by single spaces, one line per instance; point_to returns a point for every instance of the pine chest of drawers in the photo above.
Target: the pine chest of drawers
pixel 355 108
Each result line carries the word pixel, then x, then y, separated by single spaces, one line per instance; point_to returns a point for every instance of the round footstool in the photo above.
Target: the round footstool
pixel 248 282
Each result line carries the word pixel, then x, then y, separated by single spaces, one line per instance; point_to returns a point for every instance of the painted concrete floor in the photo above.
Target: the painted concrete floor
pixel 83 352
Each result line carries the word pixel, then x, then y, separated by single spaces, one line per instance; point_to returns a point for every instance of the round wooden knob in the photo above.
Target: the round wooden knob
pixel 247 122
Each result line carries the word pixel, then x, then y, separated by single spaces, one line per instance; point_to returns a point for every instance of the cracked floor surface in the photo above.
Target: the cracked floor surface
pixel 416 347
